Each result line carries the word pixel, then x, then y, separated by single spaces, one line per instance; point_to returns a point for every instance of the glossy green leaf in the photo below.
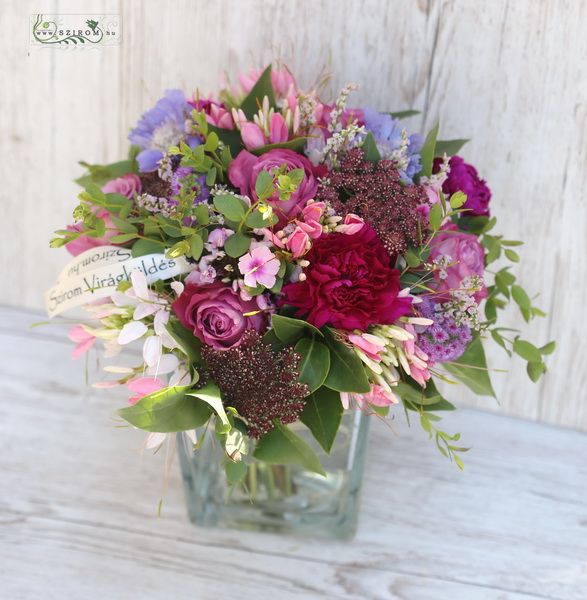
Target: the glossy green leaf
pixel 315 362
pixel 263 87
pixel 520 297
pixel 548 348
pixel 471 369
pixel 281 446
pixel 527 351
pixel 322 415
pixel 231 207
pixel 404 114
pixel 449 147
pixel 167 411
pixel 370 149
pixel 297 145
pixel 428 151
pixel 535 370
pixel 187 341
pixel 289 330
pixel 347 373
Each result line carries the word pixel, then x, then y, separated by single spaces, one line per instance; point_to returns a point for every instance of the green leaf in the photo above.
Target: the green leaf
pixel 404 114
pixel 548 348
pixel 346 369
pixel 142 247
pixel 167 411
pixel 281 446
pixel 535 370
pixel 493 248
pixel 255 220
pixel 427 152
pixel 322 415
pixel 435 217
pixel 187 341
pixel 315 362
pixel 202 214
pixel 229 137
pixel 511 255
pixel 471 369
pixel 231 207
pixel 415 397
pixel 297 145
pixel 289 330
pixel 196 246
pixel 520 297
pixel 123 225
pixel 449 147
pixel 370 149
pixel 123 238
pixel 250 105
pixel 101 174
pixel 237 244
pixel 235 471
pixel 457 199
pixel 264 184
pixel 527 351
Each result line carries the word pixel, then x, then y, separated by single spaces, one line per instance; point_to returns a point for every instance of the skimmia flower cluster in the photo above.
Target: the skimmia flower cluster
pixel 253 238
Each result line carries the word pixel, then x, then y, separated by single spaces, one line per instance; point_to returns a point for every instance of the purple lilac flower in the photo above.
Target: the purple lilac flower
pixel 444 340
pixel 392 143
pixel 161 127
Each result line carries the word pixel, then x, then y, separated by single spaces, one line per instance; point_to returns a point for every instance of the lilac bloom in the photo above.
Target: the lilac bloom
pixel 161 127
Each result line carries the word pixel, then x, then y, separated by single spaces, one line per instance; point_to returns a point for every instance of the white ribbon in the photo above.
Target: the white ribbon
pixel 96 273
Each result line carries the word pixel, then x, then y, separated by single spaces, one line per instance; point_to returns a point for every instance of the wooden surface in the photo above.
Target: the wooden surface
pixel 511 75
pixel 78 504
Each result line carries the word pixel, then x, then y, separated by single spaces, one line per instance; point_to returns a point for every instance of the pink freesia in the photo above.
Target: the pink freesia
pixel 278 131
pixel 82 338
pixel 298 242
pixel 371 345
pixel 259 266
pixel 143 386
pixel 252 135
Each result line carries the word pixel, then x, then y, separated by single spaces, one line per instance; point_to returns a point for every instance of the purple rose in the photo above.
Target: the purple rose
pixel 463 253
pixel 128 185
pixel 243 171
pixel 463 177
pixel 216 314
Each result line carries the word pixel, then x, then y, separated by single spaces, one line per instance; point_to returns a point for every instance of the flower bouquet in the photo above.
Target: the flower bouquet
pixel 290 268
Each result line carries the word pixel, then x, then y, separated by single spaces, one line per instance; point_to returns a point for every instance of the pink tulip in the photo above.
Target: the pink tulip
pixel 298 242
pixel 143 386
pixel 278 131
pixel 82 338
pixel 252 135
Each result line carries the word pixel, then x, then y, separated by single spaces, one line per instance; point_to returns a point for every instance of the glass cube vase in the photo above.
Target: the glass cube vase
pixel 280 498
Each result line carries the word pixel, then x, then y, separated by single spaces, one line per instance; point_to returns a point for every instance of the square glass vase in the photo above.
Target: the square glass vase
pixel 280 498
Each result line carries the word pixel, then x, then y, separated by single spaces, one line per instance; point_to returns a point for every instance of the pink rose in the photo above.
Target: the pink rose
pixel 243 171
pixel 128 185
pixel 465 255
pixel 216 314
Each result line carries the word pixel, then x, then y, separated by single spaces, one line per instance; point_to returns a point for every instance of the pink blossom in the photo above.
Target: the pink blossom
pixel 259 266
pixel 312 228
pixel 219 117
pixel 298 242
pixel 218 236
pixel 84 340
pixel 128 185
pixel 352 224
pixel 278 131
pixel 143 386
pixel 282 81
pixel 377 396
pixel 253 136
pixel 313 211
pixel 371 345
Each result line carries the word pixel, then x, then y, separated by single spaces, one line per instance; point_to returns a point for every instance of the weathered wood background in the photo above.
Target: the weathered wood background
pixel 511 75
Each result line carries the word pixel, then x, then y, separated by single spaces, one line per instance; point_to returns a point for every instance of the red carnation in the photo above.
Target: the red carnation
pixel 349 283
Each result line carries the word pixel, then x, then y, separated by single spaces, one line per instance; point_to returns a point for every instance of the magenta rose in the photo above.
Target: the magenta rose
pixel 128 185
pixel 463 177
pixel 216 314
pixel 465 255
pixel 349 283
pixel 243 171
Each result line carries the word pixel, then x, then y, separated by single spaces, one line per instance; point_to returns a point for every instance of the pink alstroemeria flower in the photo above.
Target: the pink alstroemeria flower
pixel 259 266
pixel 371 345
pixel 298 242
pixel 83 339
pixel 352 224
pixel 143 386
pixel 252 135
pixel 278 131
pixel 377 396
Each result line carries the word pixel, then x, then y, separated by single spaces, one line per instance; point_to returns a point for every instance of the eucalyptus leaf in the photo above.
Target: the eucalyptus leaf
pixel 142 247
pixel 237 244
